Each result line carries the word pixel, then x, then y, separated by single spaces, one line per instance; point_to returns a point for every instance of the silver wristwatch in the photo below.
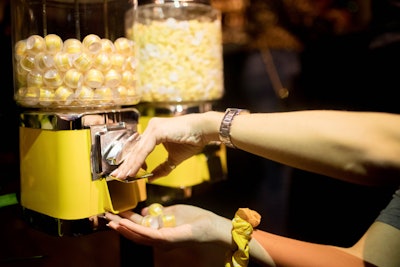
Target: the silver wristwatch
pixel 225 128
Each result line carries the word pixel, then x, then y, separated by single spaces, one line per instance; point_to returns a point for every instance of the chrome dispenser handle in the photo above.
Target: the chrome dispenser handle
pixel 108 143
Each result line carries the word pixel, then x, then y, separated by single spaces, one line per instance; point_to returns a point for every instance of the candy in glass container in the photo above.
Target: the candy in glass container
pixel 73 54
pixel 179 51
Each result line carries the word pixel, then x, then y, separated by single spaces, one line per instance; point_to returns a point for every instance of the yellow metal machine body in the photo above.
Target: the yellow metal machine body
pixel 199 171
pixel 65 160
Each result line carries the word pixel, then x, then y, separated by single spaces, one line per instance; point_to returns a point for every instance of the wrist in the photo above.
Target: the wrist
pixel 226 124
pixel 211 121
pixel 223 233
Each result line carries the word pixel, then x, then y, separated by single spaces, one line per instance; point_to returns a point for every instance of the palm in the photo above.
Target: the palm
pixel 191 224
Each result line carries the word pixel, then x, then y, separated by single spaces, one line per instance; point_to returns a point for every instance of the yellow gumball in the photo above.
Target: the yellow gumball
pixel 151 221
pixel 72 46
pixel 94 78
pixel 167 220
pixel 92 43
pixel 54 43
pixel 52 78
pixel 62 61
pixel 35 44
pixel 63 93
pixel 112 78
pixel 73 78
pixel 82 62
pixel 156 209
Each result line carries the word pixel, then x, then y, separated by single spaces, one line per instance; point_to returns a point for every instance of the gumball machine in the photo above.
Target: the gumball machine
pixel 74 81
pixel 179 71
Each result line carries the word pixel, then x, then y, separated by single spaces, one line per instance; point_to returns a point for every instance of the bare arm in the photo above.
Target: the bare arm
pixel 359 147
pixel 378 247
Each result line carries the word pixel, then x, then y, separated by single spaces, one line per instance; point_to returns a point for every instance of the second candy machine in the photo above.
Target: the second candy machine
pixel 179 71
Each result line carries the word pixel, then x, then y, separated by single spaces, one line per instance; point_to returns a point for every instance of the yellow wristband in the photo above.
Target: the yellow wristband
pixel 243 223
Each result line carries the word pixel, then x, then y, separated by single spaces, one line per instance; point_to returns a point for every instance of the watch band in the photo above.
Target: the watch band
pixel 225 128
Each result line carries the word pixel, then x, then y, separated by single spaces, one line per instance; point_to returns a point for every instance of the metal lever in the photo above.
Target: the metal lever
pixel 108 144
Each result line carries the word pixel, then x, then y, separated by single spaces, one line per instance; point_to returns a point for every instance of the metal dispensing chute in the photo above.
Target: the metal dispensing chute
pixel 179 71
pixel 74 80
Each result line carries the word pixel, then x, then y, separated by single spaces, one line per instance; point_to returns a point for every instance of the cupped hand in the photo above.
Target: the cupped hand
pixel 181 137
pixel 193 225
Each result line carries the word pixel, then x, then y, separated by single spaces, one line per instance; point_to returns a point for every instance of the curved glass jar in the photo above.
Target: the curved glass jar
pixel 179 51
pixel 72 54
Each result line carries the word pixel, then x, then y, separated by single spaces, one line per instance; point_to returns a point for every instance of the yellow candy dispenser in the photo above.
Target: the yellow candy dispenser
pixel 74 82
pixel 65 159
pixel 179 70
pixel 196 173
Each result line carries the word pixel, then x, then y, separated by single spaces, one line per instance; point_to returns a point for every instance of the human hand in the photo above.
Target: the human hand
pixel 193 225
pixel 181 136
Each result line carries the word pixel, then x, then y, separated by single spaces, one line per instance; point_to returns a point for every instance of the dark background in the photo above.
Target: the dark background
pixel 353 69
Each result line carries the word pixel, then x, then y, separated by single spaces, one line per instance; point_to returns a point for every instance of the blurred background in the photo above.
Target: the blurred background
pixel 279 55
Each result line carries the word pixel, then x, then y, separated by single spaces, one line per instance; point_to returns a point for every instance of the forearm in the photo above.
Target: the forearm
pixel 273 250
pixel 334 143
pixel 294 253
